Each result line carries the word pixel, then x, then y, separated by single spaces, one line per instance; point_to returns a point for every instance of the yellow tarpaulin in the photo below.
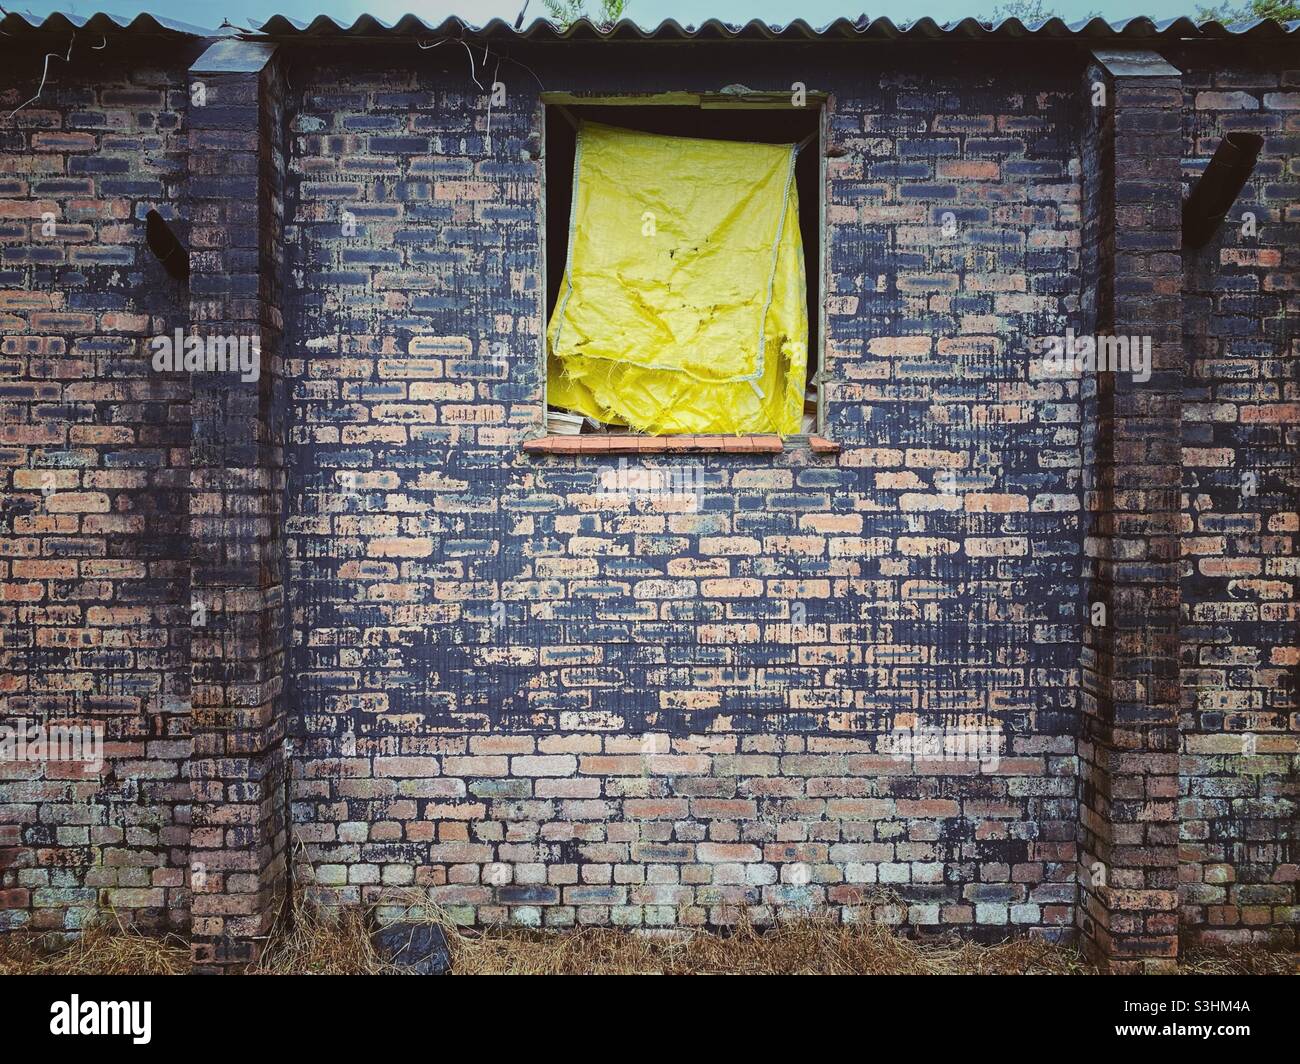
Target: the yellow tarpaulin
pixel 683 306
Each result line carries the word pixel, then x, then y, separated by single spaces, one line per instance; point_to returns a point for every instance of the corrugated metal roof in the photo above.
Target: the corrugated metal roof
pixel 1135 29
pixel 1140 28
pixel 144 24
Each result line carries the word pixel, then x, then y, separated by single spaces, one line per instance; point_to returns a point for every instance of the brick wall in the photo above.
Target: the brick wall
pixel 545 706
pixel 94 466
pixel 1240 721
pixel 464 669
pixel 1127 749
pixel 238 860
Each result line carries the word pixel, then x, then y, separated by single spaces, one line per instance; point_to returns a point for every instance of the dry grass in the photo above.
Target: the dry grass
pixel 325 943
pixel 105 949
pixel 1236 960
pixel 313 941
pixel 804 947
pixel 339 944
pixel 320 942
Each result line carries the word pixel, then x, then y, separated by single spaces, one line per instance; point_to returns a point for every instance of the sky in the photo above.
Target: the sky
pixel 645 12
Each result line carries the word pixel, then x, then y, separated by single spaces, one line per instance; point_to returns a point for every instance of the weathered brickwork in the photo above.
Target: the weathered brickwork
pixel 94 450
pixel 1128 759
pixel 1241 425
pixel 238 848
pixel 684 705
pixel 340 614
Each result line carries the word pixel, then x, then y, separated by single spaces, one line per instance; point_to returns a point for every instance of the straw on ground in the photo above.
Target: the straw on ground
pixel 309 940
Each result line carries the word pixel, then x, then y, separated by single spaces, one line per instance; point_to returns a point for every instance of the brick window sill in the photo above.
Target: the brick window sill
pixel 601 444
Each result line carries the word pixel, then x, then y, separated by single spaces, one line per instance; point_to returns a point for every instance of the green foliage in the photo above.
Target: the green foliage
pixel 567 12
pixel 1282 10
pixel 1031 11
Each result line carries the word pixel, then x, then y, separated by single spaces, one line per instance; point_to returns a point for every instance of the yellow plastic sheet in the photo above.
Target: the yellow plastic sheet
pixel 683 305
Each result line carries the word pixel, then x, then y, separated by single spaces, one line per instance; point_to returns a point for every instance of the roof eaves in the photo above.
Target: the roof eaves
pixel 1139 27
pixel 143 24
pixel 1097 29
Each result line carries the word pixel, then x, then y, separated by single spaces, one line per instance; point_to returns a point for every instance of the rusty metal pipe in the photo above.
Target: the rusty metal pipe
pixel 166 247
pixel 1218 187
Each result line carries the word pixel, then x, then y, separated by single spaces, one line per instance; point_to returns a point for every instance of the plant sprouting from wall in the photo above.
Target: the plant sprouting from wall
pixel 567 12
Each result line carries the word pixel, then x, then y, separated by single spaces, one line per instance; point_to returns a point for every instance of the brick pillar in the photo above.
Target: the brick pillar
pixel 1128 741
pixel 237 854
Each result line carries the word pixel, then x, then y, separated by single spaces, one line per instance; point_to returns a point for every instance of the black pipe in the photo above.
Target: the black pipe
pixel 168 250
pixel 1219 186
